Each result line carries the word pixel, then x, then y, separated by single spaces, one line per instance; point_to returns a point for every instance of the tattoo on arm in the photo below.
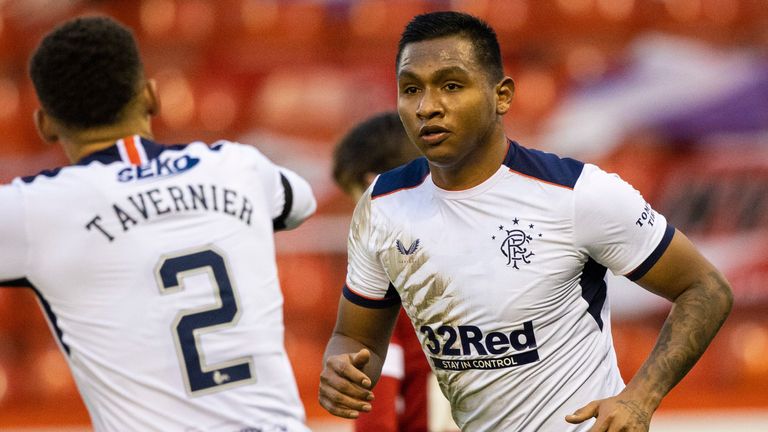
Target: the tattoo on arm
pixel 639 415
pixel 696 316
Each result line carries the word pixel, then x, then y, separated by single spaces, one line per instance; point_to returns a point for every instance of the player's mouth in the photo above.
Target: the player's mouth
pixel 433 135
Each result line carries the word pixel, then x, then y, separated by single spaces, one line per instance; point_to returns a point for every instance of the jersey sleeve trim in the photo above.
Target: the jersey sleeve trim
pixel 646 265
pixel 16 283
pixel 391 298
pixel 278 223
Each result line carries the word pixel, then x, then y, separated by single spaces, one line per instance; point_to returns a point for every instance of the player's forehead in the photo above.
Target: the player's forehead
pixel 446 54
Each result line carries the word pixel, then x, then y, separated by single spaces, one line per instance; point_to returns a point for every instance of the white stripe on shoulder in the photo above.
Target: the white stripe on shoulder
pixel 140 148
pixel 132 146
pixel 121 150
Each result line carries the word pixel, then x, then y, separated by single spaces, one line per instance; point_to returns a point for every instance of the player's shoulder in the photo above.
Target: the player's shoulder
pixel 404 177
pixel 390 184
pixel 544 166
pixel 598 182
pixel 228 145
pixel 236 149
pixel 141 152
pixel 221 147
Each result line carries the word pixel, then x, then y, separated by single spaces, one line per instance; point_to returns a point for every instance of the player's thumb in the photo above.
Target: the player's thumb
pixel 586 412
pixel 361 358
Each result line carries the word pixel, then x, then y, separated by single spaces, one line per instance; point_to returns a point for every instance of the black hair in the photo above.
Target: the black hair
pixel 86 71
pixel 375 145
pixel 450 23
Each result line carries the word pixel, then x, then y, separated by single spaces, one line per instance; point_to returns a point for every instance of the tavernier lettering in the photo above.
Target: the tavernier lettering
pixel 157 202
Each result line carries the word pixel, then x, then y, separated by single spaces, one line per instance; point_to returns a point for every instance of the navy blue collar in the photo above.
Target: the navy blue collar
pixel 112 154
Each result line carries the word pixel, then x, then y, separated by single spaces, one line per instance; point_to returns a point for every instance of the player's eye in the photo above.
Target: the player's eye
pixel 453 86
pixel 410 89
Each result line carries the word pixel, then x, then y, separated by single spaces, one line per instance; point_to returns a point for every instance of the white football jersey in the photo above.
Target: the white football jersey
pixel 156 268
pixel 504 282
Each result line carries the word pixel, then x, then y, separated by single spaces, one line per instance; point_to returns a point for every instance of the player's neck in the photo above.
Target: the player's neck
pixel 474 169
pixel 79 144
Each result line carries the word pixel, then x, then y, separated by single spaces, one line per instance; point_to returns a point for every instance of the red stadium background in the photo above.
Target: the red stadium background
pixel 671 94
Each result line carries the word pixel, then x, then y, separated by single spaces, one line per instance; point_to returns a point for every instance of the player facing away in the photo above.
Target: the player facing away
pixel 498 252
pixel 154 264
pixel 408 398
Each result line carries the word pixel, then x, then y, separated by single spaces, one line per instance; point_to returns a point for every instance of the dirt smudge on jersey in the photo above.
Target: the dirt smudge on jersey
pixel 425 294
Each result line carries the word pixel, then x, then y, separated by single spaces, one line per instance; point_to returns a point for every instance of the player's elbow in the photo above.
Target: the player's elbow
pixel 725 294
pixel 717 292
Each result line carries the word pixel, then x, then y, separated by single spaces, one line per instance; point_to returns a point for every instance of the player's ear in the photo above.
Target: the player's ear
pixel 505 91
pixel 152 101
pixel 46 126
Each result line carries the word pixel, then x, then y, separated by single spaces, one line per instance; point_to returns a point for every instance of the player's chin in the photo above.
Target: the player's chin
pixel 438 155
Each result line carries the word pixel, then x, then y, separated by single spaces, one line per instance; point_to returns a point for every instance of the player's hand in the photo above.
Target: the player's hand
pixel 614 414
pixel 344 388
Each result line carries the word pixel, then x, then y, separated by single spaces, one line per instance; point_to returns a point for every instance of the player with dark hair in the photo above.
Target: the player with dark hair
pixel 84 84
pixel 407 396
pixel 154 264
pixel 498 255
pixel 485 45
pixel 377 144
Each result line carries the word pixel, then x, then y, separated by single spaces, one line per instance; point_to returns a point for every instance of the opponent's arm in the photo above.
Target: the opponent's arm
pixel 702 299
pixel 383 416
pixel 354 357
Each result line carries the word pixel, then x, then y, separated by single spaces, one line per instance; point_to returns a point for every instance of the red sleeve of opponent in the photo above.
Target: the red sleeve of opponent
pixel 383 415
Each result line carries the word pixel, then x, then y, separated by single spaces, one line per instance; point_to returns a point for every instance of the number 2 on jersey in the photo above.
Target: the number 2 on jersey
pixel 189 324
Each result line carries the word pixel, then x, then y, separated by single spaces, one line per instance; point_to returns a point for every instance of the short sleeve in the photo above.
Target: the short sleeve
pixel 291 200
pixel 367 284
pixel 295 199
pixel 13 242
pixel 616 226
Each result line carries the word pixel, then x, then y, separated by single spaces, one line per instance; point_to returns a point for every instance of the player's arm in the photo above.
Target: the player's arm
pixel 354 357
pixel 702 300
pixel 367 313
pixel 383 416
pixel 618 228
pixel 289 196
pixel 298 201
pixel 13 244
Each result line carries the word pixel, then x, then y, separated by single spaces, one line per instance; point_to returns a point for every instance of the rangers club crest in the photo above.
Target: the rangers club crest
pixel 516 243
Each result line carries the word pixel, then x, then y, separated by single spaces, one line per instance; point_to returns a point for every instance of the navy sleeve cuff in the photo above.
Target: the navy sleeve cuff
pixel 278 223
pixel 17 283
pixel 391 298
pixel 646 265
